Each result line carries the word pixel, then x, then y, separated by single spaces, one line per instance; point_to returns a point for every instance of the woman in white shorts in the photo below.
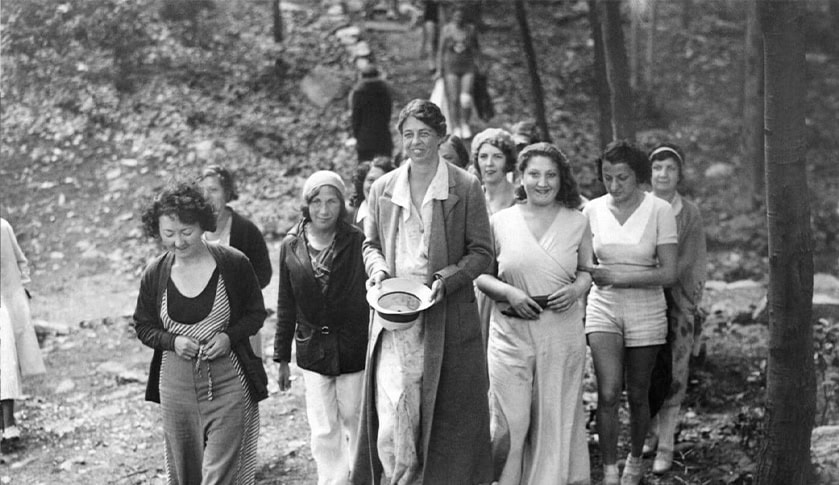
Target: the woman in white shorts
pixel 634 240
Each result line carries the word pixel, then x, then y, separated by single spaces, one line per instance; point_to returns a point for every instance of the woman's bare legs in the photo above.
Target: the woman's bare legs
pixel 453 100
pixel 607 351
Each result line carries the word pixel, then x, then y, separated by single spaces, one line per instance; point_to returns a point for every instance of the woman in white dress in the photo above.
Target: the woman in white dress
pixel 536 352
pixel 19 352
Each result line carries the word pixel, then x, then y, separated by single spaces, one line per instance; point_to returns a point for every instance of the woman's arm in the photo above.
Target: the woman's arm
pixel 146 321
pixel 374 260
pixel 286 312
pixel 665 274
pixel 252 304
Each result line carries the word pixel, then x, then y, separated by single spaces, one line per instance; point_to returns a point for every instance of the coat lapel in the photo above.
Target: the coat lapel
pixel 300 267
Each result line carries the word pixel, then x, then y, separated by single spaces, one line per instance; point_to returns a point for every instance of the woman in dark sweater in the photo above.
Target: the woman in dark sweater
pixel 233 229
pixel 322 308
pixel 198 305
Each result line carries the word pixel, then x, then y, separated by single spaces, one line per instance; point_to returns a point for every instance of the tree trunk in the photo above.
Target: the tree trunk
pixel 634 48
pixel 278 21
pixel 649 60
pixel 752 149
pixel 601 84
pixel 784 457
pixel 533 68
pixel 617 70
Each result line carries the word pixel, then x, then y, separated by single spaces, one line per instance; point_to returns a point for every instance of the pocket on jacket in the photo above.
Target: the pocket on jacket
pixel 309 350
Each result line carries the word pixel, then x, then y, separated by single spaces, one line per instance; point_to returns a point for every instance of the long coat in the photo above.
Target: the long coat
pixel 455 440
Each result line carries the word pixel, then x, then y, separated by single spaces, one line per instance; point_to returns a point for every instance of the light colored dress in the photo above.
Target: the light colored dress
pixel 536 366
pixel 19 351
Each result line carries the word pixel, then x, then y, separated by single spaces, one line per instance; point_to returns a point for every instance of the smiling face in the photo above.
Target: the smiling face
pixel 182 239
pixel 492 162
pixel 419 141
pixel 620 181
pixel 665 176
pixel 541 181
pixel 214 192
pixel 325 208
pixel 372 175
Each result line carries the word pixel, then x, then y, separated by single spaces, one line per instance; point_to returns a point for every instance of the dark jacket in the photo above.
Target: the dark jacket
pixel 330 330
pixel 246 237
pixel 247 313
pixel 371 105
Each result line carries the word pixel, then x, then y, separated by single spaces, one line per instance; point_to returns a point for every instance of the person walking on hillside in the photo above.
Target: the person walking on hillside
pixel 19 352
pixel 425 417
pixel 635 244
pixel 683 298
pixel 321 307
pixel 235 230
pixel 370 106
pixel 198 304
pixel 457 62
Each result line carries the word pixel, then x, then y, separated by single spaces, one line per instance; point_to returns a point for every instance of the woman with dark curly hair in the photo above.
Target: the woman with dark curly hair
pixel 634 240
pixel 365 174
pixel 197 306
pixel 453 150
pixel 536 352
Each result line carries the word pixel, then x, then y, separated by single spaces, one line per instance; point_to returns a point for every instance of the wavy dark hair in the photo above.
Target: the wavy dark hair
pixel 226 180
pixel 182 201
pixel 624 151
pixel 383 163
pixel 425 111
pixel 459 148
pixel 569 193
pixel 663 151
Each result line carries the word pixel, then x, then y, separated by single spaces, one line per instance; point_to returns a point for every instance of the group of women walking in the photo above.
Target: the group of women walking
pixel 485 385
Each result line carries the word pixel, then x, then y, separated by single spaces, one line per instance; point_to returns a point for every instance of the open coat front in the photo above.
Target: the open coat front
pixel 455 440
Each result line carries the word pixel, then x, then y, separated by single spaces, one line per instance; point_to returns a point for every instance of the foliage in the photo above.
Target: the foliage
pixel 826 338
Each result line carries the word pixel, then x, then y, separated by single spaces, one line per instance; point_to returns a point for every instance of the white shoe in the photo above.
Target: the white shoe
pixel 465 131
pixel 633 471
pixel 663 462
pixel 456 132
pixel 11 433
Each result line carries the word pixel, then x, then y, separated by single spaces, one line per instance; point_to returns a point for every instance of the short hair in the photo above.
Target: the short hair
pixel 226 180
pixel 500 139
pixel 182 201
pixel 569 193
pixel 459 148
pixel 624 151
pixel 425 111
pixel 380 162
pixel 663 151
pixel 304 209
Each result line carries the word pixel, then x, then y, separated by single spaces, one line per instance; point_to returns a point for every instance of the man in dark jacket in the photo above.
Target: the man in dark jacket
pixel 370 102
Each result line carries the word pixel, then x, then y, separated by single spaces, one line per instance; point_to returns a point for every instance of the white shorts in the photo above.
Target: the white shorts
pixel 638 314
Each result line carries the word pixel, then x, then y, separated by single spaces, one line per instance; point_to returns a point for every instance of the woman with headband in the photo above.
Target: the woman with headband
pixel 683 298
pixel 634 240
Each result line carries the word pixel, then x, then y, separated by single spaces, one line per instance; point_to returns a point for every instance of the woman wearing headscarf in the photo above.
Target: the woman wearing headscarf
pixel 322 309
pixel 683 298
pixel 197 306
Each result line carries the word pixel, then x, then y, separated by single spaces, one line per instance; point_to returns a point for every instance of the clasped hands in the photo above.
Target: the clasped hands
pixel 190 348
pixel 558 301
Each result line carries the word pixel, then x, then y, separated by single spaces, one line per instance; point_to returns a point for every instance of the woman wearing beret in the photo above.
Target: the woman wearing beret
pixel 198 305
pixel 322 308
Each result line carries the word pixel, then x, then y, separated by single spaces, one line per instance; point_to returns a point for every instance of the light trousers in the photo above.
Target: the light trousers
pixel 333 407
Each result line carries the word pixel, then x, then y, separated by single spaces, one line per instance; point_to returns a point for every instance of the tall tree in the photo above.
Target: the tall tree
pixel 277 15
pixel 752 139
pixel 650 47
pixel 601 84
pixel 617 69
pixel 533 68
pixel 784 457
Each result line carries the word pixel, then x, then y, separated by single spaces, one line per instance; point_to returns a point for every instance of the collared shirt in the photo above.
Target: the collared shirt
pixel 415 225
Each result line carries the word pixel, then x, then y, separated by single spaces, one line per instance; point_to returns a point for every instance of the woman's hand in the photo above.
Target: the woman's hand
pixel 563 298
pixel 186 347
pixel 376 279
pixel 603 276
pixel 523 304
pixel 438 290
pixel 284 377
pixel 216 347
